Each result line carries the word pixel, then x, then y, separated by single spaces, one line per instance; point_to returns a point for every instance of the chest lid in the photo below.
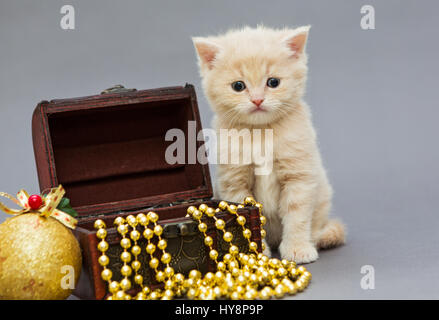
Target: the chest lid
pixel 109 150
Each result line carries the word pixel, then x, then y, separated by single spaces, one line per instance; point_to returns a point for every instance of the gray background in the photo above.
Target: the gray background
pixel 373 95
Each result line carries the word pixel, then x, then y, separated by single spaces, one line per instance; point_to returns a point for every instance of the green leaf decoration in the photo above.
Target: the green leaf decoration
pixel 65 206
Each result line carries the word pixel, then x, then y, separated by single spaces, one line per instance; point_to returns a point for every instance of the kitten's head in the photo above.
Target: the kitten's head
pixel 253 76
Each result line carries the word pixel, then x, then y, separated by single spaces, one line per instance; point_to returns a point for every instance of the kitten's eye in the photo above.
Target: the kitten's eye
pixel 273 82
pixel 238 86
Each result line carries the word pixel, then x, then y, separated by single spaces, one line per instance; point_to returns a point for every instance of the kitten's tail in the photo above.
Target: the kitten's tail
pixel 332 235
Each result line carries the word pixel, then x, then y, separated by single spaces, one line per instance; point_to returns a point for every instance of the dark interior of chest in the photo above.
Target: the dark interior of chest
pixel 111 154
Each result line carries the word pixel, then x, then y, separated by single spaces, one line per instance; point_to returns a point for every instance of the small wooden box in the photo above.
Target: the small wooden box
pixel 108 151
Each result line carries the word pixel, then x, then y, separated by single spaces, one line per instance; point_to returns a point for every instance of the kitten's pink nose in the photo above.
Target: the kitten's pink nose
pixel 257 102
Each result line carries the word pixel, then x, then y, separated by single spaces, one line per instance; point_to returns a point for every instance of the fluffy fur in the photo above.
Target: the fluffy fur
pixel 296 194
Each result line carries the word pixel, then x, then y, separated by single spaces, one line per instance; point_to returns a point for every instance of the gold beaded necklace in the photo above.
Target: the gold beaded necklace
pixel 238 275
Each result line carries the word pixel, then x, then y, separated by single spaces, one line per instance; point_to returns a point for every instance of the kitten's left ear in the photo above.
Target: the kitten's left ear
pixel 296 40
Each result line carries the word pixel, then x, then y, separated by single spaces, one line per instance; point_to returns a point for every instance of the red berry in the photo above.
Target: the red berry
pixel 35 202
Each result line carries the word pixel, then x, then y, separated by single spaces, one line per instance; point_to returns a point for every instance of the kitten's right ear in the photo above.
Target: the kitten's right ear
pixel 206 50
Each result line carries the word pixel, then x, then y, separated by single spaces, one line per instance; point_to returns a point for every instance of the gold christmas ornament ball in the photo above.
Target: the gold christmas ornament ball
pixel 40 259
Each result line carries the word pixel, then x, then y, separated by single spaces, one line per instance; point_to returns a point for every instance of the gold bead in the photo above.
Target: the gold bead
pixel 99 224
pixel 143 220
pixel 247 233
pixel 132 221
pixel 220 224
pixel 235 272
pixel 223 205
pixel 221 266
pixel 140 216
pixel 179 278
pixel 106 274
pixel 154 295
pixel 166 258
pixel 232 209
pixel 301 269
pixel 153 217
pixel 125 256
pixel 227 258
pixel 169 272
pixel 168 295
pixel 197 214
pixel 251 262
pixel 274 282
pixel 158 230
pixel 210 212
pixel 217 210
pixel 263 220
pixel 228 236
pixel 122 229
pixel 213 254
pixel 282 272
pixel 135 250
pixel 120 295
pixel 279 291
pixel 136 265
pixel 235 296
pixel 202 227
pixel 253 246
pixel 160 276
pixel 285 263
pixel 209 277
pixel 150 248
pixel 191 210
pixel 118 221
pixel 233 264
pixel 113 287
pixel 154 263
pixel 233 250
pixel 263 246
pixel 249 201
pixel 194 274
pixel 103 246
pixel 219 277
pixel 138 279
pixel 125 284
pixel 162 244
pixel 104 260
pixel 208 241
pixel 135 235
pixel 203 207
pixel 241 220
pixel 148 234
pixel 101 233
pixel 291 288
pixel 126 270
pixel 240 206
pixel 125 243
pixel 146 290
pixel 307 275
pixel 259 205
pixel 192 293
pixel 263 233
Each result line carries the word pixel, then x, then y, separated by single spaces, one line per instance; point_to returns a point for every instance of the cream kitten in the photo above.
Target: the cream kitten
pixel 255 78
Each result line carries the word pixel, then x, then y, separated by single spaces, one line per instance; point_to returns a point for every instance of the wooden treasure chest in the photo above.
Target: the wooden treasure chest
pixel 109 153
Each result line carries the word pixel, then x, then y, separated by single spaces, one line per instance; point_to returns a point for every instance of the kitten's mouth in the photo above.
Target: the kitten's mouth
pixel 258 109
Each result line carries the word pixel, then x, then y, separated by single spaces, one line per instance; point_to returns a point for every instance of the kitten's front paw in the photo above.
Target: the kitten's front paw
pixel 300 253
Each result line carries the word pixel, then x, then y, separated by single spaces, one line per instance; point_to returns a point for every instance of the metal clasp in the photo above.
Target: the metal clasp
pixel 180 229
